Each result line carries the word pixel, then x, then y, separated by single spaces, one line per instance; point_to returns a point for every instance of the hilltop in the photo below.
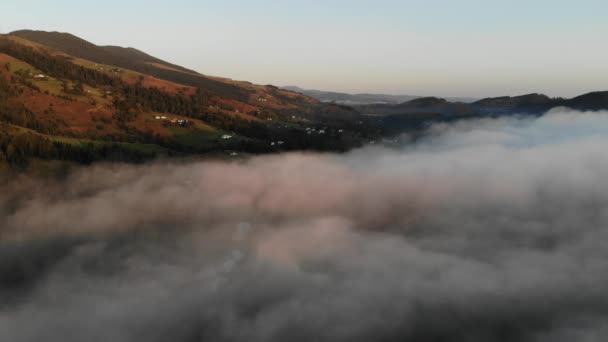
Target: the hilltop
pixel 416 114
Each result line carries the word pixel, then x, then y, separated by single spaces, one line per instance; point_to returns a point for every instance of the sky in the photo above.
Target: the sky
pixel 470 48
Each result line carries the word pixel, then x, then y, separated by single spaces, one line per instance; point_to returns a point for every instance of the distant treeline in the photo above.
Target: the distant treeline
pixel 19 148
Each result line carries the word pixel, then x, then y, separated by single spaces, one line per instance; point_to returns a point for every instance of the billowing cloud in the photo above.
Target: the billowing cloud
pixel 487 230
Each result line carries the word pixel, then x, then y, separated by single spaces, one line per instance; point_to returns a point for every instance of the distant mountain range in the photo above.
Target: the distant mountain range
pixel 504 105
pixel 382 104
pixel 363 99
pixel 415 114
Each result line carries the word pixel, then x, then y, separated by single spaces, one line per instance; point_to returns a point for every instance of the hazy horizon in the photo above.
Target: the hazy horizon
pixel 469 49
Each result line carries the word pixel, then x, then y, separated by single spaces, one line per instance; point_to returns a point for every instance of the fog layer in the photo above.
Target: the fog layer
pixel 487 230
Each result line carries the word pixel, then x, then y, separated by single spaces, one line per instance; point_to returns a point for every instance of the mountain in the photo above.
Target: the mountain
pixel 422 105
pixel 65 99
pixel 515 100
pixel 62 97
pixel 591 101
pixel 504 105
pixel 127 58
pixel 539 103
pixel 415 115
pixel 381 104
pixel 362 99
pixel 78 47
pixel 529 103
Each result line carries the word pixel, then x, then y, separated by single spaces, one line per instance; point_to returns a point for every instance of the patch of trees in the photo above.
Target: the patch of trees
pixel 18 148
pixel 198 81
pixel 16 113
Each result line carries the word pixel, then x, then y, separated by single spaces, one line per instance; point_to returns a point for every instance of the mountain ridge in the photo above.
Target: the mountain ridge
pixel 364 98
pixel 72 45
pixel 416 114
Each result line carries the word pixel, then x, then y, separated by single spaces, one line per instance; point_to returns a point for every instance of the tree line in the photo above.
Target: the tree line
pixel 17 148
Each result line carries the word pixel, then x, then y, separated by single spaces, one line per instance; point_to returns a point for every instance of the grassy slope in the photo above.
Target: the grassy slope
pixel 88 114
pixel 88 111
pixel 128 59
pixel 135 60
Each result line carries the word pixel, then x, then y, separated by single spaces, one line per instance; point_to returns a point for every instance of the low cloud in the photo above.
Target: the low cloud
pixel 486 230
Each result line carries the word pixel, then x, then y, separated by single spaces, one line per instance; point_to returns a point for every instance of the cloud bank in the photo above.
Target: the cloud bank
pixel 487 230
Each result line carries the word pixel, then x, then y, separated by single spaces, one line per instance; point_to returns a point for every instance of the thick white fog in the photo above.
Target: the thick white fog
pixel 487 230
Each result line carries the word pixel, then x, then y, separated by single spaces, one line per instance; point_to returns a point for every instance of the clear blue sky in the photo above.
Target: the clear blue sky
pixel 447 48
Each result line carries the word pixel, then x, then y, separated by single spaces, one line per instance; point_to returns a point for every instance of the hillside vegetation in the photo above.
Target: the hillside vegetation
pixel 110 102
pixel 63 98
